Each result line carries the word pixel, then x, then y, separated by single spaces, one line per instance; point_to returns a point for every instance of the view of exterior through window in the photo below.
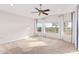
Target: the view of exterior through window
pixel 48 27
pixel 39 27
pixel 51 27
pixel 67 27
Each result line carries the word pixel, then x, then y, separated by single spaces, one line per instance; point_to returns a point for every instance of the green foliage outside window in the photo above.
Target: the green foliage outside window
pixel 53 27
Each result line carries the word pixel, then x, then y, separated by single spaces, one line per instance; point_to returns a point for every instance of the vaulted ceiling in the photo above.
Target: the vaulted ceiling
pixel 27 9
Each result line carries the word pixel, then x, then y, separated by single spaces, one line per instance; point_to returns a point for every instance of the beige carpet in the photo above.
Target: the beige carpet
pixel 37 45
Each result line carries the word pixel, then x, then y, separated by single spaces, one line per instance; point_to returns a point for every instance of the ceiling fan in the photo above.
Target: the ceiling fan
pixel 40 11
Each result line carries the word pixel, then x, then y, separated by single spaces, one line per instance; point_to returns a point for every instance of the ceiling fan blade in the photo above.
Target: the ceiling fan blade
pixel 46 10
pixel 45 13
pixel 37 9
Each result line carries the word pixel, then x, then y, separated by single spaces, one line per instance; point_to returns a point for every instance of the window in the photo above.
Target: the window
pixel 39 27
pixel 51 27
pixel 67 27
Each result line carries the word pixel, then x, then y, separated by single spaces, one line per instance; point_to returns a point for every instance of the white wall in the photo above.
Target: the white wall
pixel 14 27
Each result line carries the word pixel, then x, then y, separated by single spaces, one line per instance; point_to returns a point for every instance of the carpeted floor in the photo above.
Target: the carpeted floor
pixel 37 45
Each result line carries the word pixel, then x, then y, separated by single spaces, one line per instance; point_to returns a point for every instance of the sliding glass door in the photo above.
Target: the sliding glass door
pixel 67 28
